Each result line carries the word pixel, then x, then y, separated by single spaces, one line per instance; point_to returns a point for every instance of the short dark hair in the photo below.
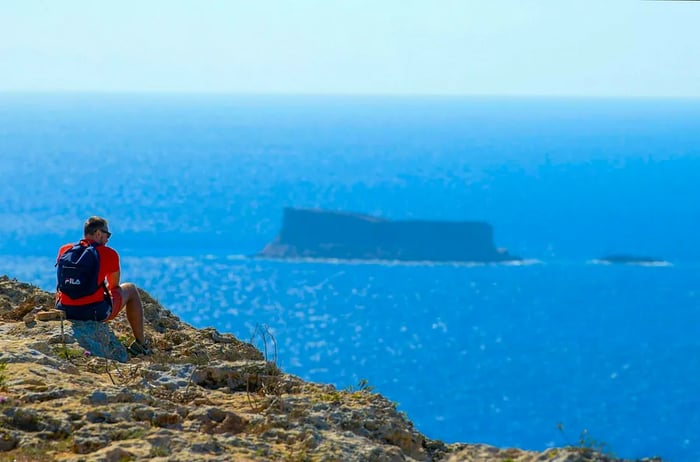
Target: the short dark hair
pixel 93 224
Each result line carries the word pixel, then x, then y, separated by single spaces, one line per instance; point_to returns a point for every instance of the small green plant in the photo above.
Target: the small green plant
pixel 332 397
pixel 37 452
pixel 3 375
pixel 587 443
pixel 128 434
pixel 158 451
pixel 68 353
pixel 269 382
pixel 362 385
pixel 263 333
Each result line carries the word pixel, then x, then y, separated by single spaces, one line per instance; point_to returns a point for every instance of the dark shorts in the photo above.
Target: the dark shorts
pixel 99 311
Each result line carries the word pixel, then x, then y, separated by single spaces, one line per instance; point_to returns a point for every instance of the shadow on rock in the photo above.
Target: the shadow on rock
pixel 94 337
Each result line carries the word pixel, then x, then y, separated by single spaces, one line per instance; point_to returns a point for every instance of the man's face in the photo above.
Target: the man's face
pixel 102 235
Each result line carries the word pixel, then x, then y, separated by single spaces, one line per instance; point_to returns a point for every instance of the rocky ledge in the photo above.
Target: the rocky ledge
pixel 70 392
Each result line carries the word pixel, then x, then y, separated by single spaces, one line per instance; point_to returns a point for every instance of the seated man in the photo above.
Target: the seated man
pixel 88 283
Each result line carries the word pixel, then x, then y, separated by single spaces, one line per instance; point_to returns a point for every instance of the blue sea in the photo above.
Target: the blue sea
pixel 499 354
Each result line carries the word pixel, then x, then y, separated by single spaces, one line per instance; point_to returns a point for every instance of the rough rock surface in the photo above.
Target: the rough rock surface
pixel 70 391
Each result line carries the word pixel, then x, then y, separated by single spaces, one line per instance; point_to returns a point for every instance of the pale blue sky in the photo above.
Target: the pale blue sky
pixel 622 48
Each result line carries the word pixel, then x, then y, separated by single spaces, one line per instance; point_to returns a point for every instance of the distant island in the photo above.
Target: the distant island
pixel 631 260
pixel 317 233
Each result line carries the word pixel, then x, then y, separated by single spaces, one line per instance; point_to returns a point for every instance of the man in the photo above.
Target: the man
pixel 105 303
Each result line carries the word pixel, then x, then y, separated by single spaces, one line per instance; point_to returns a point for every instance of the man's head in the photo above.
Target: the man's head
pixel 97 229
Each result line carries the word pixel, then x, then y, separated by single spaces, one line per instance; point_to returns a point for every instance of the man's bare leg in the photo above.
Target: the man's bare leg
pixel 134 310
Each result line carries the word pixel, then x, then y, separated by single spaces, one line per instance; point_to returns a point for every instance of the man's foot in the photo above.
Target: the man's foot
pixel 140 349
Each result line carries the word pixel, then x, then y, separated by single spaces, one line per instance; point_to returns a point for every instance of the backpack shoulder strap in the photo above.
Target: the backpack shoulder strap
pixel 95 245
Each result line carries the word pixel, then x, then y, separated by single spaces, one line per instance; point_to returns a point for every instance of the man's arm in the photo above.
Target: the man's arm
pixel 114 290
pixel 113 280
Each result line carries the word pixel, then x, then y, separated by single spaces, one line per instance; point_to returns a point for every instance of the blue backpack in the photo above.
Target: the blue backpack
pixel 77 271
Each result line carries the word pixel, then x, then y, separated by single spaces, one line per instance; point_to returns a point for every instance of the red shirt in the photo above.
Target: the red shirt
pixel 109 263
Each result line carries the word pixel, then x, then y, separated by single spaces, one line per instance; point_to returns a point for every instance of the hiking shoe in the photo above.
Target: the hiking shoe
pixel 140 349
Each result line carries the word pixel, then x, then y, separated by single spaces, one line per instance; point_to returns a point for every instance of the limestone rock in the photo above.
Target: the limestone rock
pixel 69 391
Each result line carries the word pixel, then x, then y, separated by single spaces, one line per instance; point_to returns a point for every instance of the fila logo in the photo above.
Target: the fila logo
pixel 72 282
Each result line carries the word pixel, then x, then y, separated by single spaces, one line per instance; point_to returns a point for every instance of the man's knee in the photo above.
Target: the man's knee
pixel 129 291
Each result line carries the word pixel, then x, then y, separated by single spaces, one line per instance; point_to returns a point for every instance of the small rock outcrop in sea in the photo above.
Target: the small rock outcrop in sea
pixel 313 233
pixel 69 392
pixel 631 260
